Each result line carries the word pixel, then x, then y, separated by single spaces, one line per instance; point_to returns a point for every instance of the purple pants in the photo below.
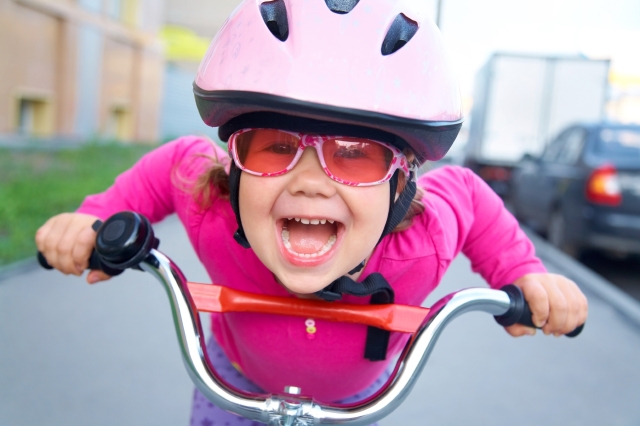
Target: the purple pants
pixel 204 413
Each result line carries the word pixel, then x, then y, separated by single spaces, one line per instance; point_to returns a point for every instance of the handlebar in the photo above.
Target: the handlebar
pixel 277 409
pixel 138 248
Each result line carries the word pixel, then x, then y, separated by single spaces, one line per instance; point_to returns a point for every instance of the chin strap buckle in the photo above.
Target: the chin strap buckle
pixel 328 295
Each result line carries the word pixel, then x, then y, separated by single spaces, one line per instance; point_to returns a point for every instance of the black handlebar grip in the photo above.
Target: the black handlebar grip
pixel 519 312
pixel 94 260
pixel 43 261
pixel 94 264
pixel 122 241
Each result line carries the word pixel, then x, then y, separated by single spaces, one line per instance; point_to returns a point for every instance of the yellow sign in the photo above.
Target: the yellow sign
pixel 182 44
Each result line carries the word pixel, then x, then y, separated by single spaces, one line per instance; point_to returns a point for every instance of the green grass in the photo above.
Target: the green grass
pixel 36 184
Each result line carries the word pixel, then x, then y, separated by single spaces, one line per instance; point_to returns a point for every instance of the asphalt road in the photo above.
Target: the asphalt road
pixel 76 355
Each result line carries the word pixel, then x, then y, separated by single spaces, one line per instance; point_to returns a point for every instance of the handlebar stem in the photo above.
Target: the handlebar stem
pixel 290 410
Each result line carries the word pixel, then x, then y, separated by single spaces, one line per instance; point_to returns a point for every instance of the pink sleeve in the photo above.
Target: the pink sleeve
pixel 476 223
pixel 157 185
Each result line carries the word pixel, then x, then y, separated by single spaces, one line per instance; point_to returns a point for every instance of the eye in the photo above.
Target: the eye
pixel 350 152
pixel 278 147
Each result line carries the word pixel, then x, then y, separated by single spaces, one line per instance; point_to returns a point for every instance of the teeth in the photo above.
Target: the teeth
pixel 285 241
pixel 312 221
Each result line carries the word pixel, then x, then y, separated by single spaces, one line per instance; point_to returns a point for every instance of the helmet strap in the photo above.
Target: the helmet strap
pixel 398 208
pixel 234 197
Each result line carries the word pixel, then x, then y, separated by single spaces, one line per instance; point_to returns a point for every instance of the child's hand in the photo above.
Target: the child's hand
pixel 66 241
pixel 557 304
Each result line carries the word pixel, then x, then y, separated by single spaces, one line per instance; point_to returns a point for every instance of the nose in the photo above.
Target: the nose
pixel 308 178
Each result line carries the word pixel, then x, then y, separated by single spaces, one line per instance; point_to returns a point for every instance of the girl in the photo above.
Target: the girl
pixel 328 108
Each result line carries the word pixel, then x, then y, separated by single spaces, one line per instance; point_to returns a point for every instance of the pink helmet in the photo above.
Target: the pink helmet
pixel 377 64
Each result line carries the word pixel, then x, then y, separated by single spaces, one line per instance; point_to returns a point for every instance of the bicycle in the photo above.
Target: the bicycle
pixel 127 241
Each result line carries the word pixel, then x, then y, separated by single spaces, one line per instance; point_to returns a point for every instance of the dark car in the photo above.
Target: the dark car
pixel 584 191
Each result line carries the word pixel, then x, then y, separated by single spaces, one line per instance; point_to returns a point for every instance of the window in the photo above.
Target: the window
pixel 553 150
pixel 566 149
pixel 619 143
pixel 572 148
pixel 119 124
pixel 35 117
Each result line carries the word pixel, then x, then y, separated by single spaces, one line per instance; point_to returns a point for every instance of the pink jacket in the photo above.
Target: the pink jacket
pixel 462 215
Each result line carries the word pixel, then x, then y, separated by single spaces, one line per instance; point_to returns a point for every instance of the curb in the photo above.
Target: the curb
pixel 17 268
pixel 588 280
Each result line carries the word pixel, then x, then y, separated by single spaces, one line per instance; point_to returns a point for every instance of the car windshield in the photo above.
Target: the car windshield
pixel 619 143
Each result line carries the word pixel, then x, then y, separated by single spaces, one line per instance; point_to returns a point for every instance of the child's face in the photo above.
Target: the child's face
pixel 305 257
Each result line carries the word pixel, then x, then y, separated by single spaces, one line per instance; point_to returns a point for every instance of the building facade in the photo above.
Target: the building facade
pixel 81 69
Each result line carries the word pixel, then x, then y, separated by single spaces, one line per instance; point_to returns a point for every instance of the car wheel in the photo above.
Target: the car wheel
pixel 556 235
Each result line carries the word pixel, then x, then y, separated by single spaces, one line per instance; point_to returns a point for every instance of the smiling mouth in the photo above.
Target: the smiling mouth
pixel 309 238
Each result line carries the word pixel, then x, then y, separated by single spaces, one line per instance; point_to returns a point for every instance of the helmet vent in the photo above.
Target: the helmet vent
pixel 274 14
pixel 341 6
pixel 401 31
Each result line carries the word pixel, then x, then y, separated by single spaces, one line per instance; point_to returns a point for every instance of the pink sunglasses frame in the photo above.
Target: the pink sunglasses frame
pixel 399 161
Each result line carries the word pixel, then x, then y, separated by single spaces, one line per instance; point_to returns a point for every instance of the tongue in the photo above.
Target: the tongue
pixel 309 239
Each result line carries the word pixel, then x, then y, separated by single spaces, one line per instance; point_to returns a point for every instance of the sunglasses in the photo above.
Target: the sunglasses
pixel 348 160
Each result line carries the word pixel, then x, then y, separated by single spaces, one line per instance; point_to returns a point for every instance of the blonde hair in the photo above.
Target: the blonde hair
pixel 210 184
pixel 214 181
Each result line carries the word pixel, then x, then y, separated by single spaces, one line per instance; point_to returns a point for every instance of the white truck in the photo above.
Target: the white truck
pixel 521 101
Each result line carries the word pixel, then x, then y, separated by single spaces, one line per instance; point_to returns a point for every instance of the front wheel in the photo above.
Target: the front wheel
pixel 557 235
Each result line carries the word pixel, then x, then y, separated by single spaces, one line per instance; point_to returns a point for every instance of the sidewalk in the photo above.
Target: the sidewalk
pixel 73 354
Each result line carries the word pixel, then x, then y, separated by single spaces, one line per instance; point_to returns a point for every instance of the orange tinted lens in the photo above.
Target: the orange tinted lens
pixel 357 160
pixel 266 150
